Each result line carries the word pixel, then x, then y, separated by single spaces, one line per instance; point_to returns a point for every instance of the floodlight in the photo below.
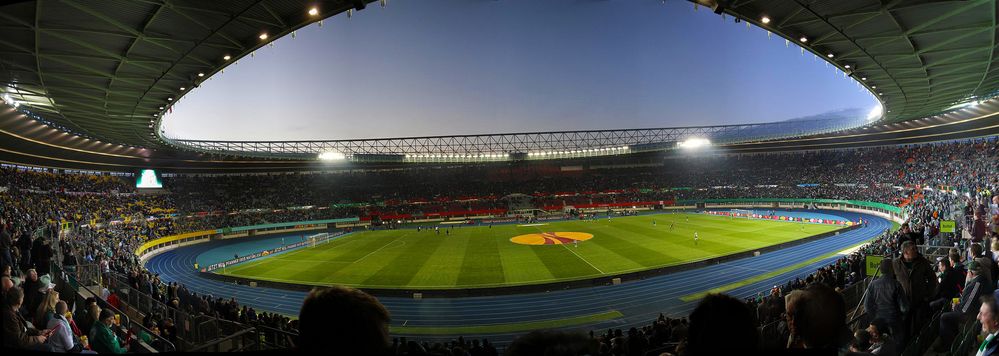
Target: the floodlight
pixel 313 11
pixel 263 36
pixel 765 20
pixel 227 57
pixel 332 156
pixel 694 143
pixel 803 39
pixel 829 55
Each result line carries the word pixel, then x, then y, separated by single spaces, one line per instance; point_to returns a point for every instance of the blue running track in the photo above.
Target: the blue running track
pixel 639 301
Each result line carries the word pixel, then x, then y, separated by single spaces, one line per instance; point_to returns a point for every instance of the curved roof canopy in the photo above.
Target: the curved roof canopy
pixel 107 70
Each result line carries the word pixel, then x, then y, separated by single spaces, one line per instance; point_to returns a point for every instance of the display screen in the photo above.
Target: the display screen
pixel 148 179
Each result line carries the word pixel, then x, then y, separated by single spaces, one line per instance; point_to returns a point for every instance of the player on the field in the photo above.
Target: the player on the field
pixel 653 222
pixel 575 243
pixel 695 238
pixel 671 225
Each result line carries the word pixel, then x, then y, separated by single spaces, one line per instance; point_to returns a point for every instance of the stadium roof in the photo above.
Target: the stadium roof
pixel 102 73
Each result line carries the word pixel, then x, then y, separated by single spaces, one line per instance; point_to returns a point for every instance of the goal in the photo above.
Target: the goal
pixel 319 239
pixel 741 213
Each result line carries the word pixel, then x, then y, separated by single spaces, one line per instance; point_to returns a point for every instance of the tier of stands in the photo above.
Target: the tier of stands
pixel 74 222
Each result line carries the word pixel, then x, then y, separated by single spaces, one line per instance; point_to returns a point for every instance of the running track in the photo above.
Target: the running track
pixel 639 301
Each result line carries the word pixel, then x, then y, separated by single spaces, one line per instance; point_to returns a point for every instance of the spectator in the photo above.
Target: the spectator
pixel 62 339
pixel 817 318
pixel 951 282
pixel 988 316
pixel 343 321
pixel 977 252
pixel 950 321
pixel 717 317
pixel 915 273
pixel 885 299
pixel 102 337
pixel 882 342
pixel 47 308
pixel 16 333
pixel 552 343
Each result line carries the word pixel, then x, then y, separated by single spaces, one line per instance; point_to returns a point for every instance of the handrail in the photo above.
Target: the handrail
pixel 70 280
pixel 220 340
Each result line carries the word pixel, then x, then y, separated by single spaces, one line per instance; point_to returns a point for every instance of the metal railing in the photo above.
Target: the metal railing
pixel 921 342
pixel 192 329
pixel 76 287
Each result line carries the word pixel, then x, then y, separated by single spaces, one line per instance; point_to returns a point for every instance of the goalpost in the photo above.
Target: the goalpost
pixel 741 213
pixel 319 239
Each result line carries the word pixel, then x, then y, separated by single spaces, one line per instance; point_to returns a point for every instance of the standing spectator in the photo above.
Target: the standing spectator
pixel 915 273
pixel 886 300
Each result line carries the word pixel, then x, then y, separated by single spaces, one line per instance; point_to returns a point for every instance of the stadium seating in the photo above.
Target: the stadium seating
pixel 107 220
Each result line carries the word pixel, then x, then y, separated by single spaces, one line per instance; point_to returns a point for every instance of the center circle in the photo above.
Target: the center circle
pixel 551 238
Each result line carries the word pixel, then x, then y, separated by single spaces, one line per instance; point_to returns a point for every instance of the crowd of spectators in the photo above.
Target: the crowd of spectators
pixel 108 219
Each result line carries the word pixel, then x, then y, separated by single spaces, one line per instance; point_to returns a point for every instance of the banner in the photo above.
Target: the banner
pixel 947 226
pixel 873 262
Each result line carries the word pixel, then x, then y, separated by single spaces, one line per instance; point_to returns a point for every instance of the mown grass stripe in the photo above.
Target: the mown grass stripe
pixel 507 327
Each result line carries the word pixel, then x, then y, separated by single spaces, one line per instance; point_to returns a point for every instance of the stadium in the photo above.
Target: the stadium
pixel 500 177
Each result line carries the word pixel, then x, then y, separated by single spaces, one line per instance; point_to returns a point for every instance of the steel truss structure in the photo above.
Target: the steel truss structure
pixel 534 145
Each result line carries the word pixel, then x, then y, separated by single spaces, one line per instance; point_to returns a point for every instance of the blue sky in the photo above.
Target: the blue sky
pixel 441 67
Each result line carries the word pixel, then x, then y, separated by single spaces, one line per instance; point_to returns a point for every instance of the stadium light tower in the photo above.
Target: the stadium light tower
pixel 694 143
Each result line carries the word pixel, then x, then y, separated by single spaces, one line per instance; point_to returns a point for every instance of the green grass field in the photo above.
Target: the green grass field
pixel 475 257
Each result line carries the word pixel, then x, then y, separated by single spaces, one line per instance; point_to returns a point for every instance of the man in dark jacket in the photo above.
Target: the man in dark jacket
pixel 885 299
pixel 970 302
pixel 951 282
pixel 915 273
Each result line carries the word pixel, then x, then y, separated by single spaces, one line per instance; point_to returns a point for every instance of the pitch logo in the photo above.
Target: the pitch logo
pixel 551 238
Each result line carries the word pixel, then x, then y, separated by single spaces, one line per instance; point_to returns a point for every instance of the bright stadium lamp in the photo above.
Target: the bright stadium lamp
pixel 694 143
pixel 331 156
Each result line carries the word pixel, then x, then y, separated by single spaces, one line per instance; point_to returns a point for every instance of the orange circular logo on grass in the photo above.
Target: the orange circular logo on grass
pixel 551 238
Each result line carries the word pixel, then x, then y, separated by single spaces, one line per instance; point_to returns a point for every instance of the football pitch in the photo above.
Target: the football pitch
pixel 508 255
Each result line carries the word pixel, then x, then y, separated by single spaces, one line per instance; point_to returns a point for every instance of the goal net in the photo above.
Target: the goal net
pixel 741 213
pixel 319 239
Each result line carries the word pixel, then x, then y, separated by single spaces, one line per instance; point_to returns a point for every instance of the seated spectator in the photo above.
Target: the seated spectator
pixel 102 337
pixel 16 333
pixel 719 316
pixel 816 318
pixel 47 308
pixel 988 316
pixel 343 321
pixel 973 290
pixel 951 282
pixel 62 338
pixel 861 343
pixel 882 342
